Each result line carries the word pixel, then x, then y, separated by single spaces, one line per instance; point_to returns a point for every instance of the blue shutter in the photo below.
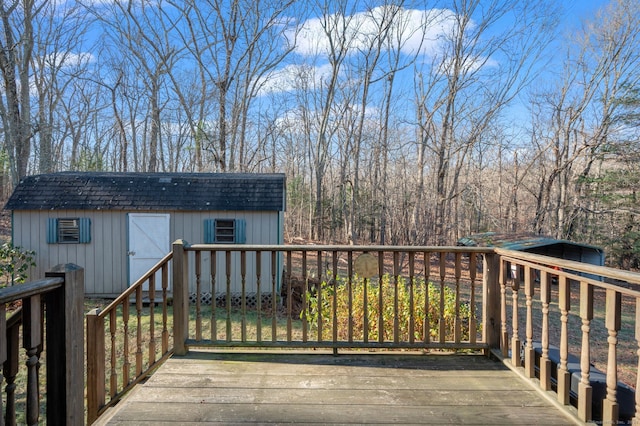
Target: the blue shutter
pixel 85 230
pixel 239 229
pixel 209 231
pixel 52 230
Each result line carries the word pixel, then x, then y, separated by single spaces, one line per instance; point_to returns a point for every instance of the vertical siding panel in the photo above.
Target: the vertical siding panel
pixel 39 221
pixel 23 236
pixel 101 248
pixel 47 256
pixel 119 252
pixel 110 276
pixel 104 271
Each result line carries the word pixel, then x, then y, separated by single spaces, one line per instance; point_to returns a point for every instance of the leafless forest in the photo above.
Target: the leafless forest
pixel 405 122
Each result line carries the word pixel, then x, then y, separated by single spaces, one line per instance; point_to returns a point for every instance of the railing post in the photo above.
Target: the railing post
pixel 65 347
pixel 3 353
pixel 180 297
pixel 491 300
pixel 31 342
pixel 95 364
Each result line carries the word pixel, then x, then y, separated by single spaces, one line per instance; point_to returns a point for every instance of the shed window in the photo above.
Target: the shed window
pixel 224 231
pixel 69 230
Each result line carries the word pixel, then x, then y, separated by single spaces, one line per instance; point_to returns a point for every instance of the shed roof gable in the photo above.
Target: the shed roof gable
pixel 150 191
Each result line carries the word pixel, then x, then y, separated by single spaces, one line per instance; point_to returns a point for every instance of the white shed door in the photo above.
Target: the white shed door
pixel 149 241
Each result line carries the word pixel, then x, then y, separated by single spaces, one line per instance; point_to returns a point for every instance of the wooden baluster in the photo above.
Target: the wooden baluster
pixel 585 391
pixel 396 284
pixel 165 306
pixel 545 362
pixel 515 339
pixel 31 340
pixel 441 320
pixel 305 293
pixel 457 325
pixel 319 296
pixel 426 327
pixel 138 331
pixel 334 309
pixel 289 297
pixel 529 352
pixel 126 366
pixel 473 324
pixel 350 290
pixel 504 335
pixel 228 281
pixel 198 261
pixel 213 256
pixel 258 296
pixel 612 319
pixel 274 298
pixel 113 376
pixel 39 350
pixel 11 361
pixel 243 296
pixel 3 353
pixel 152 320
pixel 380 297
pixel 412 320
pixel 564 377
pixel 365 310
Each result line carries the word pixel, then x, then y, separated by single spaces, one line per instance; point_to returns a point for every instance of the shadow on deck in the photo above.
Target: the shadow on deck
pixel 315 387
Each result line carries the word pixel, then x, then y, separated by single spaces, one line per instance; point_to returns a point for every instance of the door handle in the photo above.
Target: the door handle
pixel 131 253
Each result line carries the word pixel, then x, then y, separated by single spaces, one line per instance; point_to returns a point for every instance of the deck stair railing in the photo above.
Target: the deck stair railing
pixel 555 313
pixel 128 339
pixel 49 320
pixel 384 297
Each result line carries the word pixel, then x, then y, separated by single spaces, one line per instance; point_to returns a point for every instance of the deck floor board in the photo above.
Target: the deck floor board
pixel 317 388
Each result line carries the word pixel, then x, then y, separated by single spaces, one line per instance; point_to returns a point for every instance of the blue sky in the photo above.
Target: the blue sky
pixel 577 9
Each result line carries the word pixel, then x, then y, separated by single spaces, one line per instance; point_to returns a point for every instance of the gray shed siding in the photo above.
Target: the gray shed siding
pixel 105 258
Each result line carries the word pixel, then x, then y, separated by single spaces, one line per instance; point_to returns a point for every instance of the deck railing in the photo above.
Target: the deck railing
pixel 329 297
pixel 49 320
pixel 123 347
pixel 452 298
pixel 575 327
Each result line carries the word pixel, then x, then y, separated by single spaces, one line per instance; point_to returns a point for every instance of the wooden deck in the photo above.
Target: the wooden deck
pixel 318 388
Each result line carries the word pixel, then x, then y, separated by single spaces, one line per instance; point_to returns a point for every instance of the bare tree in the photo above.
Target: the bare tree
pixel 141 31
pixel 57 67
pixel 16 54
pixel 337 30
pixel 475 75
pixel 577 119
pixel 234 46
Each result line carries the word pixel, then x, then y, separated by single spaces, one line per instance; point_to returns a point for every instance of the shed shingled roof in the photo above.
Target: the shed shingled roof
pixel 150 191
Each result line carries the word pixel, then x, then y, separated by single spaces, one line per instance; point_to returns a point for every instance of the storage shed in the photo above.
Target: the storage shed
pixel 118 225
pixel 538 244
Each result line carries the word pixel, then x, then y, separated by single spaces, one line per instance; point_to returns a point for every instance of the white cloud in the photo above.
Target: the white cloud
pixel 468 65
pixel 70 59
pixel 414 31
pixel 294 77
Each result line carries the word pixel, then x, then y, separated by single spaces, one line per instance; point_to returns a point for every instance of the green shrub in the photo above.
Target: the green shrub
pixel 14 264
pixel 406 307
